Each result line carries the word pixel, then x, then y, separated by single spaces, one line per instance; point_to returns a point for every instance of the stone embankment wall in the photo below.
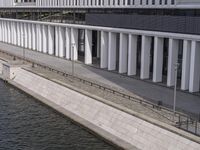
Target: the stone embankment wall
pixel 113 124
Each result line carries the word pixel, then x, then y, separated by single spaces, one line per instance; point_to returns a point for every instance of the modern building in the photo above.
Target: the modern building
pixel 145 38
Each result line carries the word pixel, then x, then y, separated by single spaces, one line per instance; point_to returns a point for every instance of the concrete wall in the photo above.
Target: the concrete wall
pixel 128 128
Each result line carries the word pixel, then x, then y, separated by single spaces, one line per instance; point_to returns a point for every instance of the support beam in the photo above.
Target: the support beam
pixel 68 43
pixel 74 44
pixel 56 41
pixel 88 46
pixel 51 40
pixel 104 50
pixel 158 59
pixel 45 38
pixel 61 42
pixel 195 67
pixel 34 34
pixel 112 39
pixel 186 65
pixel 132 55
pixel 30 40
pixel 123 53
pixel 145 57
pixel 26 35
pixel 172 60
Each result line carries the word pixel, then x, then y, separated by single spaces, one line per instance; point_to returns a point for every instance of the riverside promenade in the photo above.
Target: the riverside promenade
pixel 116 123
pixel 149 91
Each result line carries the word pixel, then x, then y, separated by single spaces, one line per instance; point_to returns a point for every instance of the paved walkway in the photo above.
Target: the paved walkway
pixel 185 101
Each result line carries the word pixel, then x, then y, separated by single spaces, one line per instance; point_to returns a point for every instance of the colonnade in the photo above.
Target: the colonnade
pixel 117 50
pixel 105 3
pixel 89 3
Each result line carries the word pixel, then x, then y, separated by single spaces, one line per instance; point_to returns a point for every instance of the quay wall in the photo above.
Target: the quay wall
pixel 118 127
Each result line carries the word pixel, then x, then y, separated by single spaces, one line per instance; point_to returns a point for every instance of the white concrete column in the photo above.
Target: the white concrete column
pixel 18 34
pixel 51 40
pixel 104 50
pixel 112 39
pixel 88 46
pixel 22 34
pixel 1 31
pixel 26 35
pixel 40 42
pixel 34 34
pixel 68 43
pixel 37 37
pixel 194 67
pixel 30 36
pixel 123 53
pixel 12 32
pixel 172 60
pixel 158 59
pixel 61 42
pixel 15 33
pixel 45 38
pixel 9 31
pixel 145 57
pixel 186 65
pixel 57 41
pixel 132 54
pixel 74 44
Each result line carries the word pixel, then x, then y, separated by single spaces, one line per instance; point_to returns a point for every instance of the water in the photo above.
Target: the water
pixel 26 124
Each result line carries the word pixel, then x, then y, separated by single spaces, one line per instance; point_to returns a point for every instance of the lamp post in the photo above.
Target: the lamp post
pixel 23 35
pixel 176 65
pixel 72 59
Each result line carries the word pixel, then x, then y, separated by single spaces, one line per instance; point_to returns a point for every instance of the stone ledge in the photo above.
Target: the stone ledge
pixel 124 109
pixel 106 136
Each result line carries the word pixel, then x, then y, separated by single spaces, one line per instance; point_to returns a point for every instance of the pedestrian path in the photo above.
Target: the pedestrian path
pixel 147 90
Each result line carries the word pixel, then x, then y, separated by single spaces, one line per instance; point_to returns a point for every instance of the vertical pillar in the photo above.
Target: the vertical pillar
pixel 68 43
pixel 18 34
pixel 34 34
pixel 88 46
pixel 172 60
pixel 40 42
pixel 15 33
pixel 186 65
pixel 51 40
pixel 45 38
pixel 194 67
pixel 145 57
pixel 132 54
pixel 57 41
pixel 22 34
pixel 26 35
pixel 112 50
pixel 123 53
pixel 158 59
pixel 74 44
pixel 61 42
pixel 29 36
pixel 1 31
pixel 104 50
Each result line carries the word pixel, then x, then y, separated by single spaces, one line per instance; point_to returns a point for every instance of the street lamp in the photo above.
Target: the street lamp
pixel 72 59
pixel 23 35
pixel 176 65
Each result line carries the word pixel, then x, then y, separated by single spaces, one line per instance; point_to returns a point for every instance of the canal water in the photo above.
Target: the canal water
pixel 26 124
